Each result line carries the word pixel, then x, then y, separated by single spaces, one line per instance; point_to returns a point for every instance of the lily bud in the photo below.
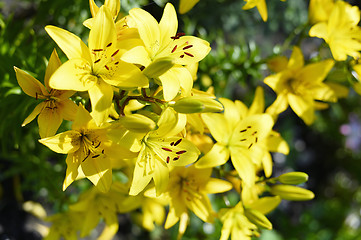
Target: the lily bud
pixel 257 218
pixel 137 123
pixel 158 67
pixel 293 193
pixel 293 178
pixel 197 105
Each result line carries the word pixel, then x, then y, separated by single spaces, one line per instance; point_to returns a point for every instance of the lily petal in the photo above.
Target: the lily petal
pixel 49 121
pixel 168 24
pixel 54 63
pixel 148 29
pixel 97 168
pixel 217 156
pixel 37 110
pixel 101 96
pixel 66 142
pixel 70 44
pixel 75 74
pixel 29 84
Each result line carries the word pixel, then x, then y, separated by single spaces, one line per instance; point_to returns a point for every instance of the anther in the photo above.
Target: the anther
pixel 176 158
pixel 186 47
pixel 172 143
pixel 181 56
pixel 256 140
pixel 106 67
pixel 181 152
pixel 109 44
pixel 95 156
pixel 97 50
pixel 178 142
pixel 168 158
pixel 191 55
pixel 167 149
pixel 244 139
pixel 175 47
pixel 97 145
pixel 250 146
pixel 115 53
pixel 254 133
pixel 243 130
pixel 98 60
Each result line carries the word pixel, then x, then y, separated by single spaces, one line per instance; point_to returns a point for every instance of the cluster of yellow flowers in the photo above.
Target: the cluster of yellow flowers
pixel 146 120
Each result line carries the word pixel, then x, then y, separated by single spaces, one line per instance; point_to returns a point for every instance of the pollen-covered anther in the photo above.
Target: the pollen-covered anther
pixel 181 152
pixel 178 142
pixel 98 60
pixel 175 47
pixel 188 54
pixel 177 36
pixel 115 53
pixel 106 67
pixel 167 149
pixel 186 47
pixel 254 133
pixel 181 56
pixel 168 158
pixel 176 158
pixel 243 130
pixel 98 50
pixel 250 146
pixel 95 156
pixel 109 44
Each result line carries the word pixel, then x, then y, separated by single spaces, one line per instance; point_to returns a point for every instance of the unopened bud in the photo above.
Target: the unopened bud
pixel 197 105
pixel 293 193
pixel 257 218
pixel 158 67
pixel 137 123
pixel 293 178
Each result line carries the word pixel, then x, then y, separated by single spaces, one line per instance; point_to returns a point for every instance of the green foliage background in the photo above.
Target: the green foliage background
pixel 236 65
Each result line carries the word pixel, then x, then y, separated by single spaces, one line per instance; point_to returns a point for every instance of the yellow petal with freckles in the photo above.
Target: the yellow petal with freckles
pixel 75 74
pixel 101 96
pixel 148 29
pixel 168 24
pixel 217 156
pixel 29 84
pixel 71 171
pixel 34 113
pixel 54 63
pixel 98 170
pixel 69 43
pixel 49 121
pixel 66 142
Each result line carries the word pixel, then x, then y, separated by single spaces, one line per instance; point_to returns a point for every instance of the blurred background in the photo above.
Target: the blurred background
pixel 329 150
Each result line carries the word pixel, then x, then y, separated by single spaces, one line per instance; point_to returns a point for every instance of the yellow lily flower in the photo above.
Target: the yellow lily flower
pixel 243 135
pixel 95 68
pixel 163 44
pixel 56 105
pixel 236 224
pixel 64 226
pixel 186 5
pixel 299 86
pixel 188 189
pixel 89 151
pixel 341 32
pixel 161 150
